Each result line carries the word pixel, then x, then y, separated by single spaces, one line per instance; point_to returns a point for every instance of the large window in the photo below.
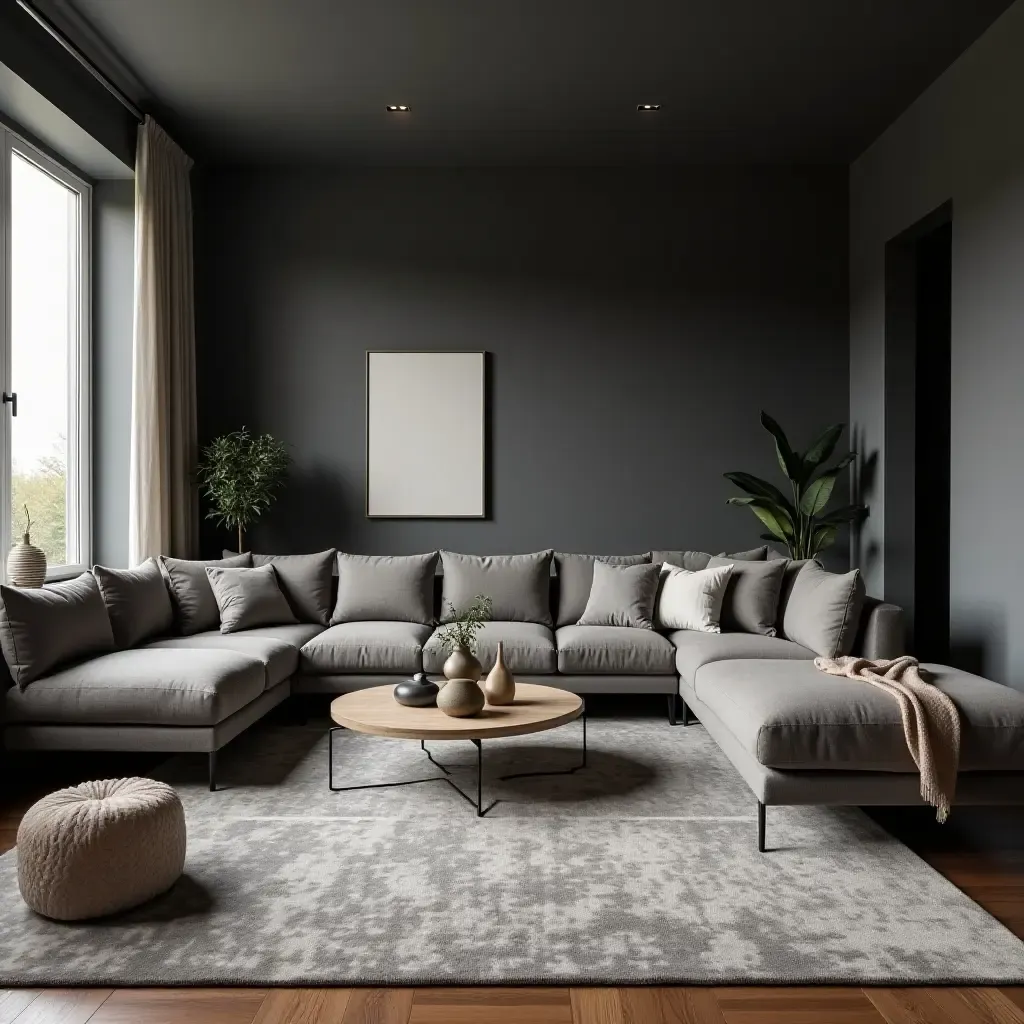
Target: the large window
pixel 44 356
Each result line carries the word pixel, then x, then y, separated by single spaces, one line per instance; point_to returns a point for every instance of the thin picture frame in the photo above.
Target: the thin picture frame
pixel 408 445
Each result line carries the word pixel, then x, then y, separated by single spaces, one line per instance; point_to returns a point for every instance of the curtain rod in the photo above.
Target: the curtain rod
pixel 82 59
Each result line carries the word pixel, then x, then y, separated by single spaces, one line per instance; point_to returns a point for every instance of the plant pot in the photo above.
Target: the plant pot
pixel 500 686
pixel 461 698
pixel 462 665
pixel 26 564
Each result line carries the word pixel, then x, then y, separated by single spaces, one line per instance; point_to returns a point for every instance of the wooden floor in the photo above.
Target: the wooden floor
pixel 982 852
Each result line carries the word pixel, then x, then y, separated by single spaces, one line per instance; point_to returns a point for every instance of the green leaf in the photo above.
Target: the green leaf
pixel 759 488
pixel 791 463
pixel 846 514
pixel 822 449
pixel 776 520
pixel 818 493
pixel 824 536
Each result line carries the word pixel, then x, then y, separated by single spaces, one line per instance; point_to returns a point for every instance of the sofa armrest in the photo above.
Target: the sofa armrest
pixel 882 633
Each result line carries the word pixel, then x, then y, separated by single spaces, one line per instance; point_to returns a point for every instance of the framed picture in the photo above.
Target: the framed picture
pixel 425 435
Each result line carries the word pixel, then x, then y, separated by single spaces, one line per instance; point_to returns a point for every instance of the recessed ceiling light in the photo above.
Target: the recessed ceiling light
pixel 397 108
pixel 648 106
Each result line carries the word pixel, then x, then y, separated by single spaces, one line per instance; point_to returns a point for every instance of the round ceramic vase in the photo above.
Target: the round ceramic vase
pixel 461 698
pixel 500 686
pixel 462 665
pixel 418 692
pixel 26 564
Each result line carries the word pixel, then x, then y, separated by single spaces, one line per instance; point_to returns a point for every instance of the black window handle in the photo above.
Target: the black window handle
pixel 13 399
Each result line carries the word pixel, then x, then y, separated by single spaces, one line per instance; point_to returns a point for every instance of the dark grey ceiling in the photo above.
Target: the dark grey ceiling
pixel 537 81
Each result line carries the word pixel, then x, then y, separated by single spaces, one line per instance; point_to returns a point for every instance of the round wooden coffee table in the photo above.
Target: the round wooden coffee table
pixel 375 711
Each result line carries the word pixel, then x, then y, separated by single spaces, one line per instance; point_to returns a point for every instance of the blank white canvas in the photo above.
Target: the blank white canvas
pixel 425 434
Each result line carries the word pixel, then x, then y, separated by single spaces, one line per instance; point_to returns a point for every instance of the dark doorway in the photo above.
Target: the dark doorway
pixel 932 444
pixel 917 430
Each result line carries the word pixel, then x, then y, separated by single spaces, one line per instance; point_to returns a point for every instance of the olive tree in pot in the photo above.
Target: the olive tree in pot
pixel 800 521
pixel 240 474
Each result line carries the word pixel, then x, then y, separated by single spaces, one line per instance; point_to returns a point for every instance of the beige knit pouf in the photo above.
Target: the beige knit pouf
pixel 100 847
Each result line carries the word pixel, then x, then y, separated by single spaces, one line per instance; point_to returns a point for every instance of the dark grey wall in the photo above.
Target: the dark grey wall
pixel 113 254
pixel 953 145
pixel 636 323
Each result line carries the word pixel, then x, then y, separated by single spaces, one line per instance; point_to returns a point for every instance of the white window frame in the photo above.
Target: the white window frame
pixel 79 442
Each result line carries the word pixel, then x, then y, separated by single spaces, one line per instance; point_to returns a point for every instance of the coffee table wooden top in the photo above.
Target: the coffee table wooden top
pixel 376 711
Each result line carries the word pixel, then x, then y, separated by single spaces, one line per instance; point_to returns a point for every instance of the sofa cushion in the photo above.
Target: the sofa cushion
pixel 137 602
pixel 528 646
pixel 751 601
pixel 45 627
pixel 143 687
pixel 791 716
pixel 294 636
pixel 575 577
pixel 519 586
pixel 373 646
pixel 306 582
pixel 823 610
pixel 280 659
pixel 695 649
pixel 374 588
pixel 697 560
pixel 195 607
pixel 691 600
pixel 249 598
pixel 622 595
pixel 605 650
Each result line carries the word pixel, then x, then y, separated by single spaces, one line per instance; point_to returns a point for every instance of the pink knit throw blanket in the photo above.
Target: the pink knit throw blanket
pixel 931 721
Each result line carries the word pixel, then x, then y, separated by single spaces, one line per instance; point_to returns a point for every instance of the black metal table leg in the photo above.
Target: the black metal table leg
pixel 560 771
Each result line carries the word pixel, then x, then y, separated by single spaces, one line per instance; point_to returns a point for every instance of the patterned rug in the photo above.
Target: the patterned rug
pixel 642 868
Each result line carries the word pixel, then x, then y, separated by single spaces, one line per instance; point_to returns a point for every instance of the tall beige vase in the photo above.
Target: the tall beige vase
pixel 26 564
pixel 500 685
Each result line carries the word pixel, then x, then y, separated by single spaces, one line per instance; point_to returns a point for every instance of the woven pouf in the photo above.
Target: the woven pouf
pixel 100 847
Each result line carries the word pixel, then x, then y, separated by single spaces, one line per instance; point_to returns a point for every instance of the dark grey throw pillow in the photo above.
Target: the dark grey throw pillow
pixel 137 602
pixel 249 598
pixel 575 578
pixel 519 586
pixel 305 580
pixel 195 607
pixel 396 588
pixel 622 595
pixel 823 610
pixel 695 561
pixel 752 598
pixel 43 628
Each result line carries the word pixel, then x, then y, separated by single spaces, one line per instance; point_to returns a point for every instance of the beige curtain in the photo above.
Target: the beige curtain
pixel 163 514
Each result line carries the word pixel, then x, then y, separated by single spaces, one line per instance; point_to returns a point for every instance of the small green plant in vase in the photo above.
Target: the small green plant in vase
pixel 457 635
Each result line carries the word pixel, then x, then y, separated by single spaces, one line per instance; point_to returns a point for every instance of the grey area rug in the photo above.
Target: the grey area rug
pixel 642 868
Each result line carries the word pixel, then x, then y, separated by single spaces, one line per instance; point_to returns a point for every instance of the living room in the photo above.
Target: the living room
pixel 508 511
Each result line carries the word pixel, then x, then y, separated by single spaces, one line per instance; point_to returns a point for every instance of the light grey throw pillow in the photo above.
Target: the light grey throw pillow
pixel 695 561
pixel 137 602
pixel 248 598
pixel 518 585
pixel 575 578
pixel 752 597
pixel 396 588
pixel 305 580
pixel 622 595
pixel 195 607
pixel 823 610
pixel 41 629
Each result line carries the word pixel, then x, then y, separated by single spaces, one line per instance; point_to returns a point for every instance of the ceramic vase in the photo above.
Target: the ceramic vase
pixel 418 692
pixel 500 685
pixel 26 564
pixel 461 698
pixel 462 665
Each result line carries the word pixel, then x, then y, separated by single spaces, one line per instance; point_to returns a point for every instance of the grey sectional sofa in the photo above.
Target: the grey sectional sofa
pixel 795 735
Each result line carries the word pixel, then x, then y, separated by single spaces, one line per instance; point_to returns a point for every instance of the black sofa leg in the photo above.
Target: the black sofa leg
pixel 760 826
pixel 671 709
pixel 686 712
pixel 212 756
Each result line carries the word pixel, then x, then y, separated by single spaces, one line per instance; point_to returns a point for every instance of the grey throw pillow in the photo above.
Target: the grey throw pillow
pixel 752 598
pixel 305 580
pixel 518 585
pixel 43 628
pixel 823 610
pixel 195 607
pixel 137 602
pixel 248 598
pixel 575 578
pixel 753 555
pixel 622 595
pixel 396 588
pixel 695 561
